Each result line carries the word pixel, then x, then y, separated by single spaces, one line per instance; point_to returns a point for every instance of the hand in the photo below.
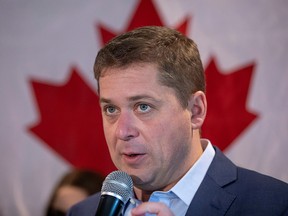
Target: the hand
pixel 160 209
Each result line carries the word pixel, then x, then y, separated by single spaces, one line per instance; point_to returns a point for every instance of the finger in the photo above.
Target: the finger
pixel 157 208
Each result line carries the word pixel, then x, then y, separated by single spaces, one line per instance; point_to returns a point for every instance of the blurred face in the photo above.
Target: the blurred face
pixel 148 132
pixel 67 196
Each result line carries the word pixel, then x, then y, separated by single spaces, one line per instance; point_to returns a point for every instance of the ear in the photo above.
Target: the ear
pixel 197 104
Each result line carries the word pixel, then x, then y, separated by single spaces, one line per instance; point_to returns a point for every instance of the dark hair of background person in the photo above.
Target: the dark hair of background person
pixel 87 180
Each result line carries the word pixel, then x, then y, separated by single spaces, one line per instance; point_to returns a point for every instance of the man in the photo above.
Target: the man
pixel 152 95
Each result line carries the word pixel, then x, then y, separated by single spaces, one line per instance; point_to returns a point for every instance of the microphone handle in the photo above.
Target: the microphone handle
pixel 109 206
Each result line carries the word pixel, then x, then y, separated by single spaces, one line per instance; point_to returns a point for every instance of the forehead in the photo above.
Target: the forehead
pixel 141 67
pixel 140 74
pixel 132 81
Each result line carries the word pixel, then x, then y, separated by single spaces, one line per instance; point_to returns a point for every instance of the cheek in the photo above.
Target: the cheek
pixel 176 137
pixel 108 129
pixel 109 137
pixel 157 136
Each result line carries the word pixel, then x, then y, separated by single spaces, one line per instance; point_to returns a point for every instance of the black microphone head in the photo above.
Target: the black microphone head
pixel 118 184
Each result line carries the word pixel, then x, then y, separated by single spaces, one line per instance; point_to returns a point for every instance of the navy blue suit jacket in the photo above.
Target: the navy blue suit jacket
pixel 226 190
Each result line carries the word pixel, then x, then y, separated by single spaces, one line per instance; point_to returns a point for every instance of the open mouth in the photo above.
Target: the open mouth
pixel 132 155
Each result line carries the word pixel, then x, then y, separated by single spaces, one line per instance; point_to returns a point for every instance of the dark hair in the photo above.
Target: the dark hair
pixel 89 181
pixel 176 56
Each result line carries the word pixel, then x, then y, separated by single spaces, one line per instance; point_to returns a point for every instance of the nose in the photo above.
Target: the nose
pixel 126 127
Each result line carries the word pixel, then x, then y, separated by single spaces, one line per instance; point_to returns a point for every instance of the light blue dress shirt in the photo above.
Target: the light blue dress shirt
pixel 180 196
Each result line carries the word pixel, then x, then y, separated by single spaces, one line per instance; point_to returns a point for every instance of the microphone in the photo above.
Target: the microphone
pixel 115 192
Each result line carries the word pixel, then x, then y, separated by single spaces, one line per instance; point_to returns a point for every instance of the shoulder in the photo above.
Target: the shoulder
pixel 256 192
pixel 253 191
pixel 225 172
pixel 86 207
pixel 260 183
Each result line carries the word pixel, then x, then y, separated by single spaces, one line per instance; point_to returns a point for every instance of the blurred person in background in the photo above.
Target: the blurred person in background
pixel 73 187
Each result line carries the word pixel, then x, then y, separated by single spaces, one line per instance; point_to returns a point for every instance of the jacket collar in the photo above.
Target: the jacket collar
pixel 211 197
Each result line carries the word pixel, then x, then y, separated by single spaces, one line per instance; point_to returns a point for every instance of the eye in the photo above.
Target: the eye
pixel 143 108
pixel 109 110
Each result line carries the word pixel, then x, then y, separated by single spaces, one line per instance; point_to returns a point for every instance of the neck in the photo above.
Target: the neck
pixel 142 195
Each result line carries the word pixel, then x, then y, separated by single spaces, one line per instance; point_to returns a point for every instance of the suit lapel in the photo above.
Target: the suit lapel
pixel 211 198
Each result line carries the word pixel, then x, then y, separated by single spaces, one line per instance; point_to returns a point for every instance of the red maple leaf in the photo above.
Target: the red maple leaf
pixel 70 117
pixel 70 123
pixel 227 115
pixel 144 15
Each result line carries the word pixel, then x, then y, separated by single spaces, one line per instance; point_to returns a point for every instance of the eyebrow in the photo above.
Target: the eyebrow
pixel 104 100
pixel 131 99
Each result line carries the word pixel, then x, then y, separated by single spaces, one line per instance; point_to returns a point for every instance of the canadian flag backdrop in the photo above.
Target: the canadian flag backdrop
pixel 50 119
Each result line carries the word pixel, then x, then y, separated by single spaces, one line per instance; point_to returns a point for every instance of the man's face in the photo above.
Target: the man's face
pixel 148 132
